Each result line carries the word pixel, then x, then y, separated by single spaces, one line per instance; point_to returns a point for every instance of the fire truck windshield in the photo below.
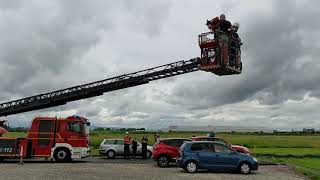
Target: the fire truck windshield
pixel 76 126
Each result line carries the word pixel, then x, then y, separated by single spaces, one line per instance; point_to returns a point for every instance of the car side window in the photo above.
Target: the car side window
pixel 180 142
pixel 175 142
pixel 206 147
pixel 206 139
pixel 222 149
pixel 196 147
pixel 168 142
pixel 109 142
pixel 119 142
pixel 171 142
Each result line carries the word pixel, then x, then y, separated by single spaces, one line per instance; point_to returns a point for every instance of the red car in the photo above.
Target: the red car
pixel 166 150
pixel 237 148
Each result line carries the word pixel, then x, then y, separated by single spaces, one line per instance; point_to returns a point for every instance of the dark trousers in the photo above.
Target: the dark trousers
pixel 126 151
pixel 134 152
pixel 144 150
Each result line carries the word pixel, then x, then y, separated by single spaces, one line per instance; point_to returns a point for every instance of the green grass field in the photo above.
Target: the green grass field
pixel 306 165
pixel 258 144
pixel 265 147
pixel 286 151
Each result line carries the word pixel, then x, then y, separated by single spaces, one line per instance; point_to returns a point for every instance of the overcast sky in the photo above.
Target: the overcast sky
pixel 47 45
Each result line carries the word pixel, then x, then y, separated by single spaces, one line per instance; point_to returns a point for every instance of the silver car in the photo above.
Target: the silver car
pixel 113 147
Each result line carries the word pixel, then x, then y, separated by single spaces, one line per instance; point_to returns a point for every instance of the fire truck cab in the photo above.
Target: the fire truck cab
pixel 219 56
pixel 49 137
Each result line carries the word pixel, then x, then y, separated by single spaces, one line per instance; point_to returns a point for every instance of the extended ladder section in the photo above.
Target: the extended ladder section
pixel 63 96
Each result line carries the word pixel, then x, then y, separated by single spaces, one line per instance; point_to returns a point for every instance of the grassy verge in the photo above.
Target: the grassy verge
pixel 286 151
pixel 250 141
pixel 15 134
pixel 307 166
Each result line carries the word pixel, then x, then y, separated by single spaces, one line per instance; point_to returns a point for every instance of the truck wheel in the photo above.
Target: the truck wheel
pixel 111 154
pixel 163 161
pixel 62 155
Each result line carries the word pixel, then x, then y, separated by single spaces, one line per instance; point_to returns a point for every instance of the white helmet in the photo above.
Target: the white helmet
pixel 236 25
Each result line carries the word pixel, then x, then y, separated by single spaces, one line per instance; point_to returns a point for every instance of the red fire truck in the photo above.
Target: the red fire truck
pixel 61 139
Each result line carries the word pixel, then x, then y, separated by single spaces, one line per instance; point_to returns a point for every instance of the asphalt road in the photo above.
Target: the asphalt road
pixel 101 168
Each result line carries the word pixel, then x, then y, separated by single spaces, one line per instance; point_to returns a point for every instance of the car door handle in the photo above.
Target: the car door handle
pixel 197 154
pixel 217 155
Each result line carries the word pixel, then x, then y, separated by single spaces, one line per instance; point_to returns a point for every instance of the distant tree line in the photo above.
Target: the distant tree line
pixel 118 129
pixel 296 133
pixel 17 129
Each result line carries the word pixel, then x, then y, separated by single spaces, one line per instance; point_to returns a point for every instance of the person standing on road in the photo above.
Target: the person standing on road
pixel 144 142
pixel 126 141
pixel 134 147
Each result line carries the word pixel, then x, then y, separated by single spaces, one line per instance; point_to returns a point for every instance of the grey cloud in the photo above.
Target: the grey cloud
pixel 273 45
pixel 150 16
pixel 47 38
pixel 48 45
pixel 41 42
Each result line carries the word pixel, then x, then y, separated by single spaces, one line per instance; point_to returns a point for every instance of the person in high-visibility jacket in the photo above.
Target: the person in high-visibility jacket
pixel 126 141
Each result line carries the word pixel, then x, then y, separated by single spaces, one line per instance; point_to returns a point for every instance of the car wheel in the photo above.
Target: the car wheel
pixel 62 155
pixel 191 167
pixel 163 161
pixel 111 154
pixel 149 154
pixel 245 168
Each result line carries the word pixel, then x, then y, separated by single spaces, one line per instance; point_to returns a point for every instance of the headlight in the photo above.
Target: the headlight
pixel 254 159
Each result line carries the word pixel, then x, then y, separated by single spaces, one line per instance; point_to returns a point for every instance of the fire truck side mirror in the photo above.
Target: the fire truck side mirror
pixel 88 123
